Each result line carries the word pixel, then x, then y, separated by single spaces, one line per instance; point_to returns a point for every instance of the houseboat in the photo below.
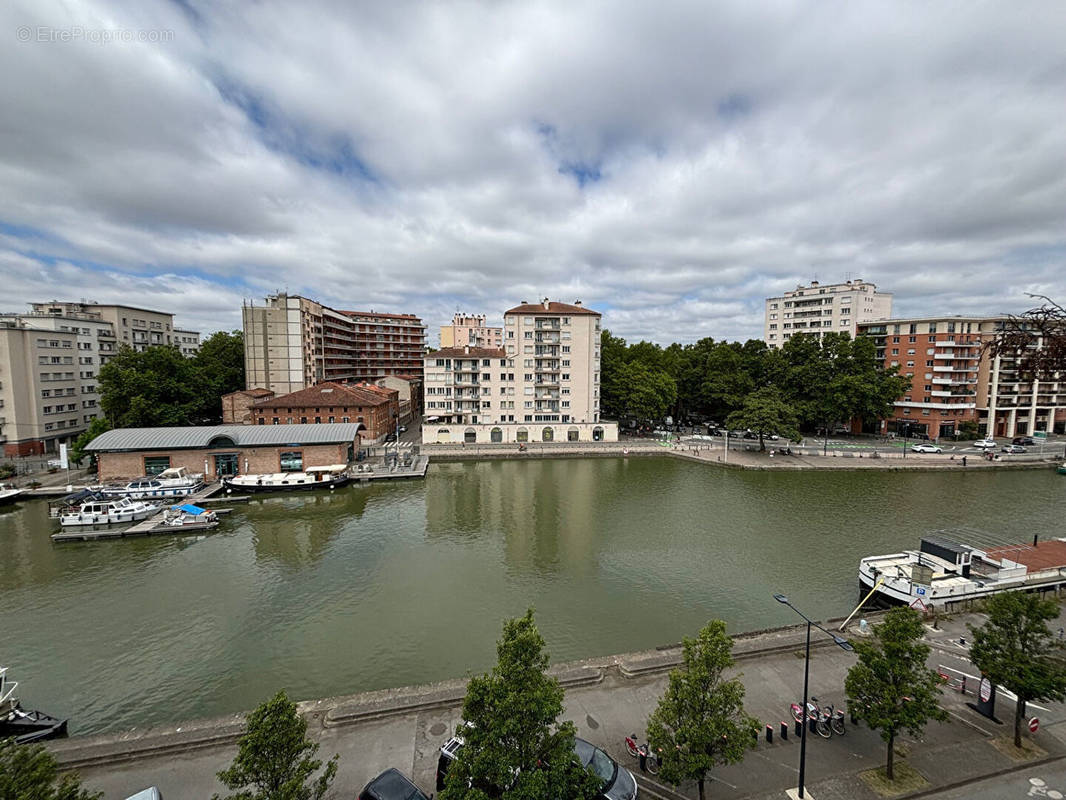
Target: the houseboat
pixel 331 477
pixel 94 508
pixel 22 724
pixel 943 571
pixel 173 482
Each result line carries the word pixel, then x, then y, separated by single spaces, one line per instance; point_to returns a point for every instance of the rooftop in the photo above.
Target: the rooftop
pixel 468 352
pixel 203 436
pixel 551 307
pixel 328 393
pixel 1050 554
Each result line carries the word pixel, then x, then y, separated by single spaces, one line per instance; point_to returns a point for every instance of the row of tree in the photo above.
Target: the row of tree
pixel 807 383
pixel 516 747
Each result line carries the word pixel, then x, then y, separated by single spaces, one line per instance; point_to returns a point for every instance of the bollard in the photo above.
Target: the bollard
pixel 798 729
pixel 854 719
pixel 962 689
pixel 784 731
pixel 811 723
pixel 769 734
pixel 643 760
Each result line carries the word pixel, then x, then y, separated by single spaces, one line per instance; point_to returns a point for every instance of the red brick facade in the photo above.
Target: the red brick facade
pixel 236 406
pixel 374 406
pixel 250 460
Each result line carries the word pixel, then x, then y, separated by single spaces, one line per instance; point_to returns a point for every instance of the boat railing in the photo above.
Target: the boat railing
pixel 7 689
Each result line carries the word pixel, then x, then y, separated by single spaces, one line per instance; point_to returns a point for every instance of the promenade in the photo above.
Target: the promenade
pixel 607 698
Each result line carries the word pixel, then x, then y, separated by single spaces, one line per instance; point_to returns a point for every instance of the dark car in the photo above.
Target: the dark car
pixel 1026 441
pixel 391 437
pixel 391 785
pixel 618 782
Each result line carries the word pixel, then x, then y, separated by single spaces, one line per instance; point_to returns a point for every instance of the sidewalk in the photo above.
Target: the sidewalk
pixel 607 698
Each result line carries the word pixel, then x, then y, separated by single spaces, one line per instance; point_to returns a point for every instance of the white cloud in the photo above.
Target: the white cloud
pixel 672 165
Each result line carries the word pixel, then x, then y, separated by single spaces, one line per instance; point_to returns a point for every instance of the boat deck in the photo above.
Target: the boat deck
pixel 1049 554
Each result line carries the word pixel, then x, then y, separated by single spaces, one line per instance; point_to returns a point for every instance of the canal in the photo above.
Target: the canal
pixel 406 583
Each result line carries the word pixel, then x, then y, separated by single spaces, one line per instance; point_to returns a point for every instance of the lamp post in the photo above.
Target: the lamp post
pixel 843 645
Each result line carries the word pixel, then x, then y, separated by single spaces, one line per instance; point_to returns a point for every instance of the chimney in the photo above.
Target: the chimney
pixel 545 301
pixel 577 302
pixel 814 283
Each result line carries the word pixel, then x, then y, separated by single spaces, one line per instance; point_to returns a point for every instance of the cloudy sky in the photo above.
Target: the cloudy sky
pixel 670 164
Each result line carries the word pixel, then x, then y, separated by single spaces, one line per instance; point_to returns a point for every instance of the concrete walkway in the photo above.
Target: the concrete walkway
pixel 607 698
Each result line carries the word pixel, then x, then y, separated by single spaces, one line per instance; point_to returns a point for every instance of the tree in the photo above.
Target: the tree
pixel 700 720
pixel 96 427
pixel 1045 325
pixel 1013 649
pixel 220 361
pixel 891 688
pixel 645 392
pixel 275 760
pixel 514 747
pixel 30 771
pixel 764 412
pixel 157 386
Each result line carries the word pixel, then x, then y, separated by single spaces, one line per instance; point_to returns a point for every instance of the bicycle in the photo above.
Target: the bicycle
pixel 651 760
pixel 827 721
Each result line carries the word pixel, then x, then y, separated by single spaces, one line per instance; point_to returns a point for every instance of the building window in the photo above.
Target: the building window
pixel 292 461
pixel 153 465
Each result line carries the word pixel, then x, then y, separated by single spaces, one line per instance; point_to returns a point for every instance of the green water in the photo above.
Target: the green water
pixel 405 583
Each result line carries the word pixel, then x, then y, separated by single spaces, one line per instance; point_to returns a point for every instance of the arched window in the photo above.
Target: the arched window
pixel 572 435
pixel 597 434
pixel 470 436
pixel 443 435
pixel 522 435
pixel 222 441
pixel 496 435
pixel 547 435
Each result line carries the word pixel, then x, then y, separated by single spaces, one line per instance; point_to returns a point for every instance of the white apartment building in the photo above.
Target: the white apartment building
pixel 543 385
pixel 470 330
pixel 817 309
pixel 187 341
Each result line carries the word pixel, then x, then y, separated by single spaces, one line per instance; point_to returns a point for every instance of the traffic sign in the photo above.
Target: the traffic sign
pixel 1034 725
pixel 1039 434
pixel 986 689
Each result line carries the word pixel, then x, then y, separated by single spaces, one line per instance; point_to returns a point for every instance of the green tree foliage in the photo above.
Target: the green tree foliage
pixel 891 688
pixel 968 429
pixel 96 427
pixel 160 387
pixel 700 721
pixel 29 772
pixel 1013 647
pixel 515 749
pixel 764 412
pixel 275 760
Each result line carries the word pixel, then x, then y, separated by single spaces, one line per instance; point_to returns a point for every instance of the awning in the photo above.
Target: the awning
pixel 189 508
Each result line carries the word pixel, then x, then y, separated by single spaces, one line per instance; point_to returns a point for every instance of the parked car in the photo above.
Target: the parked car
pixel 390 437
pixel 1025 441
pixel 55 463
pixel 985 444
pixel 391 785
pixel 925 448
pixel 403 429
pixel 1013 448
pixel 737 434
pixel 618 782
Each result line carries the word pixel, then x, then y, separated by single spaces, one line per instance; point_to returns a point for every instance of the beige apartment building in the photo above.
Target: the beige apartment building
pixel 187 341
pixel 543 385
pixel 817 309
pixel 470 330
pixel 953 379
pixel 139 328
pixel 292 342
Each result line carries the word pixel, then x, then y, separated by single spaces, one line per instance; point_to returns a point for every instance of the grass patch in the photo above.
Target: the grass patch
pixel 907 780
pixel 1029 751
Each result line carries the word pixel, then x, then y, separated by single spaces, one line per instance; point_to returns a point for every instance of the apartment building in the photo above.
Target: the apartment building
pixel 954 380
pixel 470 330
pixel 292 342
pixel 543 385
pixel 187 341
pixel 817 309
pixel 139 328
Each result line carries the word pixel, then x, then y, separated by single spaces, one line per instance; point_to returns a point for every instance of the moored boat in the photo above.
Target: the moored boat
pixel 8 493
pixel 944 571
pixel 173 482
pixel 331 477
pixel 1062 469
pixel 94 508
pixel 22 724
pixel 189 516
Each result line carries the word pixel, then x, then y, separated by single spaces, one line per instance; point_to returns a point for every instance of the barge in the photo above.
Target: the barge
pixel 943 571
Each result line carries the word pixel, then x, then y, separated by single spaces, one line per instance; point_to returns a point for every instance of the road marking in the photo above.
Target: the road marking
pixel 972 724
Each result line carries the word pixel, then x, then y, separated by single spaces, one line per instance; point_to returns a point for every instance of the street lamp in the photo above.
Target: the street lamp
pixel 839 642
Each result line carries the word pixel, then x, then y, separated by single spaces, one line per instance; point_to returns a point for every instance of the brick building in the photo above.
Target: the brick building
pixel 374 407
pixel 236 406
pixel 217 450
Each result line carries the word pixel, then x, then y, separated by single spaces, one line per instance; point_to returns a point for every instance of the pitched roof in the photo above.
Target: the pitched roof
pixel 240 435
pixel 468 352
pixel 553 308
pixel 382 315
pixel 328 393
pixel 257 392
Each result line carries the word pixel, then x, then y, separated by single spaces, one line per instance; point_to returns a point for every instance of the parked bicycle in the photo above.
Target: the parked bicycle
pixel 827 721
pixel 651 760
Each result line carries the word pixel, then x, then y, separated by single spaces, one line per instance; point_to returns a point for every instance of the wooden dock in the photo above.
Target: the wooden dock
pixel 154 525
pixel 382 473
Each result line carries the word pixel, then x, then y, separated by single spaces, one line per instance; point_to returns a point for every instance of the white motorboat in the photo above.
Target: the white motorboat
pixel 943 571
pixel 97 509
pixel 173 482
pixel 8 493
pixel 189 516
pixel 331 477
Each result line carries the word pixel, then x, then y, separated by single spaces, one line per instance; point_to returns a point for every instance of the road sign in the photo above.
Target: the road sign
pixel 919 590
pixel 1034 725
pixel 1039 434
pixel 918 605
pixel 986 689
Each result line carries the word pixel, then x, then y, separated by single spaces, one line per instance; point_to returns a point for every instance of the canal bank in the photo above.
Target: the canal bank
pixel 607 698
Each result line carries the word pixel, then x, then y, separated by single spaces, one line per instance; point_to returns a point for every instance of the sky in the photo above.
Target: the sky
pixel 670 164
